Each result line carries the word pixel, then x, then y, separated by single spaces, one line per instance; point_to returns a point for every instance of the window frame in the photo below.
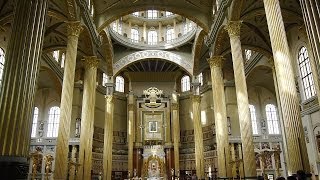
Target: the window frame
pixel 35 122
pixel 152 14
pixel 272 119
pixel 170 34
pixel 53 122
pixel 253 116
pixel 306 76
pixel 134 35
pixel 185 83
pixel 119 84
pixel 152 37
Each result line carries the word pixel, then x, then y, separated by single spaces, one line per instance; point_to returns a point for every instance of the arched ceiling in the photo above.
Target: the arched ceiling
pixel 199 11
pixel 254 30
pixel 152 65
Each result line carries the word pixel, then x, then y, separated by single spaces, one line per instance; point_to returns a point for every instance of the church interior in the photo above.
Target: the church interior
pixel 145 89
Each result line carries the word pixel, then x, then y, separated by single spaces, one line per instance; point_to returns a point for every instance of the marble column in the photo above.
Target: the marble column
pixel 160 32
pixel 176 131
pixel 145 39
pixel 87 116
pixel 198 136
pixel 61 164
pixel 233 28
pixel 311 11
pixel 297 150
pixel 108 133
pixel 18 87
pixel 131 133
pixel 220 116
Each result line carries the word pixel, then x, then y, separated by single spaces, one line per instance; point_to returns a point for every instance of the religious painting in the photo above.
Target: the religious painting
pixel 153 126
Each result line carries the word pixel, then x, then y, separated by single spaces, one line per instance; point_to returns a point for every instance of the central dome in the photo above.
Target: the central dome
pixel 152 29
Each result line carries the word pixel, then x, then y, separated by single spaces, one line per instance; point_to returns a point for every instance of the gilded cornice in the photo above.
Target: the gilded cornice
pixel 90 62
pixel 216 61
pixel 233 28
pixel 74 28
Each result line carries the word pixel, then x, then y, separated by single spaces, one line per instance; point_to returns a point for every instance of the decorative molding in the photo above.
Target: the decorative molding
pixel 216 61
pixel 179 41
pixel 74 28
pixel 233 28
pixel 172 57
pixel 175 106
pixel 252 63
pixel 53 66
pixel 90 62
pixel 217 22
pixel 89 22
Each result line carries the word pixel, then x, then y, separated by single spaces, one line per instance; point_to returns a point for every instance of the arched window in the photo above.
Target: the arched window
pixel 134 35
pixel 168 13
pixel 253 119
pixel 248 54
pixel 135 13
pixel 104 79
pixel 63 58
pixel 152 37
pixel 200 76
pixel 306 74
pixel 152 14
pixel 53 122
pixel 272 119
pixel 34 122
pixel 55 55
pixel 1 64
pixel 119 84
pixel 170 34
pixel 185 83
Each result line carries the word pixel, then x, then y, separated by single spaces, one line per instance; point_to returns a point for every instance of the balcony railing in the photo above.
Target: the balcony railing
pixel 183 39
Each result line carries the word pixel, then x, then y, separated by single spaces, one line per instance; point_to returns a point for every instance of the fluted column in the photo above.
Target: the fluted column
pixel 176 131
pixel 297 150
pixel 198 136
pixel 108 133
pixel 19 86
pixel 220 116
pixel 61 165
pixel 233 28
pixel 87 116
pixel 131 134
pixel 311 11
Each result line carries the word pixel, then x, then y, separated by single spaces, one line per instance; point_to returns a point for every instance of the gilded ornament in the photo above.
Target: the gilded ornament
pixel 74 28
pixel 233 28
pixel 90 62
pixel 216 61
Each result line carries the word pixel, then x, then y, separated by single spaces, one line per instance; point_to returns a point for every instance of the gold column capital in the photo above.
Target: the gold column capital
pixel 74 28
pixel 233 28
pixel 90 62
pixel 216 61
pixel 109 98
pixel 175 106
pixel 196 98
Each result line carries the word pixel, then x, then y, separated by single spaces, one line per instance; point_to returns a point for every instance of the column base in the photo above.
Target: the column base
pixel 13 167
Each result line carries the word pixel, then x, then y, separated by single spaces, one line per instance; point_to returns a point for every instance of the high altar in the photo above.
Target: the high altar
pixel 153 137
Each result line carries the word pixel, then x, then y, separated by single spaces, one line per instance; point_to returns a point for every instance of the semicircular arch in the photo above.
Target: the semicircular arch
pixel 152 54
